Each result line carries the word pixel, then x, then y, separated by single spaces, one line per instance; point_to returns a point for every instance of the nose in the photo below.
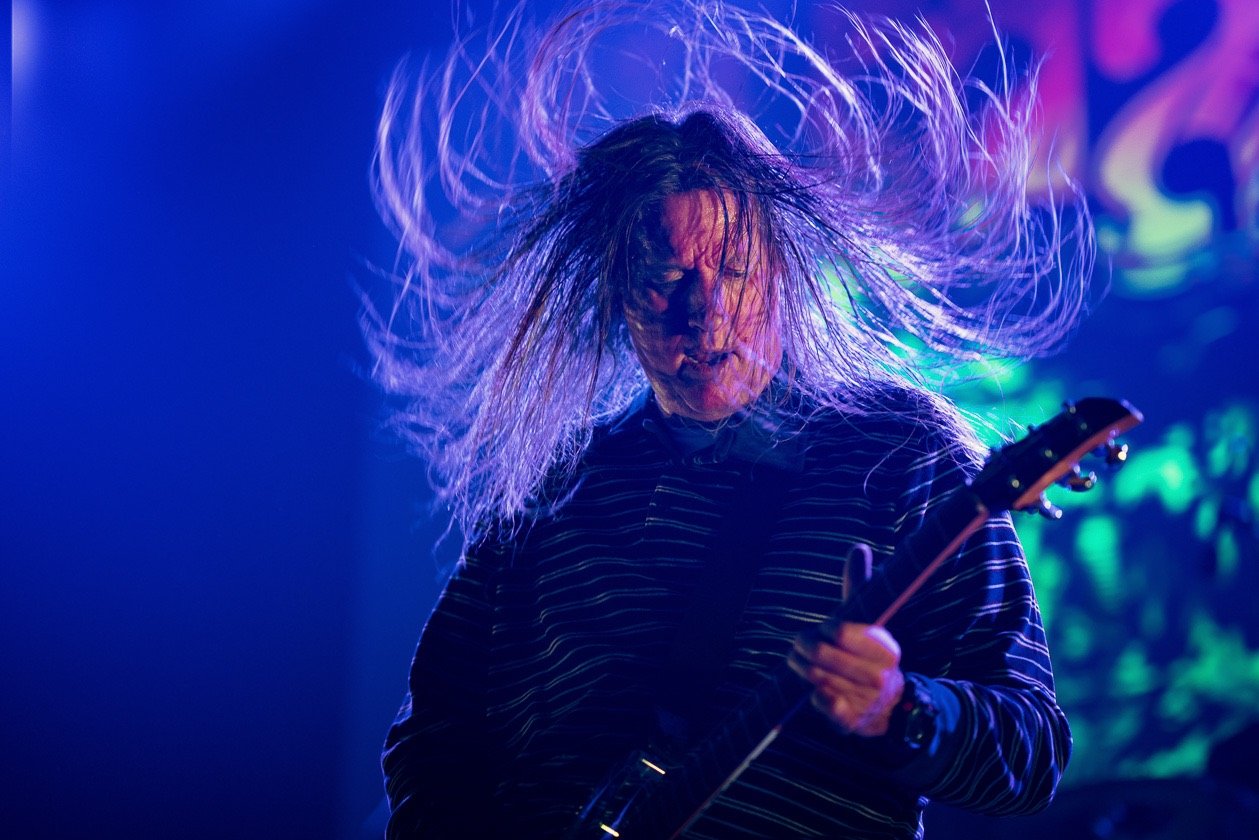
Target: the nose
pixel 711 304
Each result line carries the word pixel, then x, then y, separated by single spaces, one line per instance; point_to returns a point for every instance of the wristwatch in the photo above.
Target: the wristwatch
pixel 913 723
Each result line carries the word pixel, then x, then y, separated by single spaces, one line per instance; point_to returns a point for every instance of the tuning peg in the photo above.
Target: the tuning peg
pixel 1077 481
pixel 1114 454
pixel 1048 509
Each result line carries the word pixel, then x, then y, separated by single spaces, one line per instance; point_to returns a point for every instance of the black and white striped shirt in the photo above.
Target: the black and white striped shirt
pixel 536 670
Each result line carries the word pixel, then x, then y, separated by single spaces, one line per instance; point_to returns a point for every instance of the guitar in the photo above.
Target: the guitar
pixel 650 795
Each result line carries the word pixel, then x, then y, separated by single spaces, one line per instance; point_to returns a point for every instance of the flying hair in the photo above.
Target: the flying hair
pixel 519 172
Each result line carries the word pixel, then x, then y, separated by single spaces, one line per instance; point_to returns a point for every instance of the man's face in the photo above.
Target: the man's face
pixel 699 309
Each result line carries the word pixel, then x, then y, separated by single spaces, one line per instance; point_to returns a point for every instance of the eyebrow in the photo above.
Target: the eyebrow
pixel 648 265
pixel 735 264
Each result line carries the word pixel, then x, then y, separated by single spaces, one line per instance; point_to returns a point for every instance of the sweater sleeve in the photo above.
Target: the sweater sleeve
pixel 975 641
pixel 436 758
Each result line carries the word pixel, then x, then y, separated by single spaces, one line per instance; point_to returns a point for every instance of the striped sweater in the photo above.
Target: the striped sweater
pixel 535 673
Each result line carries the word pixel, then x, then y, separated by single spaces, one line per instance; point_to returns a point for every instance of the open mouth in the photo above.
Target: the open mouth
pixel 707 359
pixel 705 366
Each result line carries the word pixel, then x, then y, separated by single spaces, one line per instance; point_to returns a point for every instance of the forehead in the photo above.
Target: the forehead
pixel 702 223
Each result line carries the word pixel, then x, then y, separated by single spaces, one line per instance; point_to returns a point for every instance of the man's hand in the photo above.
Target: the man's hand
pixel 858 676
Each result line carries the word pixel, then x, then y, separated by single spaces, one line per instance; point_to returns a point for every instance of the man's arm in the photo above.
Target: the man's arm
pixel 970 643
pixel 996 740
pixel 437 758
pixel 1002 741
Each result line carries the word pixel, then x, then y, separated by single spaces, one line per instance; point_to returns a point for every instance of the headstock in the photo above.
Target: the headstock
pixel 1016 476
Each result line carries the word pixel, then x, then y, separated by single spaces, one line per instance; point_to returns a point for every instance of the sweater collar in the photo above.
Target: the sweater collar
pixel 766 432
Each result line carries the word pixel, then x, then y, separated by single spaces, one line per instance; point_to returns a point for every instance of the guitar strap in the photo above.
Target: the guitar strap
pixel 704 643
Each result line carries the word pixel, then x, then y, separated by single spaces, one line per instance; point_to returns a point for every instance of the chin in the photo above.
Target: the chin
pixel 707 405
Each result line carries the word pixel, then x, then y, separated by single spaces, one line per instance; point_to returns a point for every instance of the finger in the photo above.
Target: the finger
pixel 857 569
pixel 853 708
pixel 803 659
pixel 799 662
pixel 834 686
pixel 869 641
pixel 837 709
pixel 847 664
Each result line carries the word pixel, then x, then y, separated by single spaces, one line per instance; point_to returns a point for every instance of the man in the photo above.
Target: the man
pixel 661 396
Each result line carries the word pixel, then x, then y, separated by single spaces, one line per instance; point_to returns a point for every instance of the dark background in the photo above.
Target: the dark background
pixel 203 531
pixel 216 564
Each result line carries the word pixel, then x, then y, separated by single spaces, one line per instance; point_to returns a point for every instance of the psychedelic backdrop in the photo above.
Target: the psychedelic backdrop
pixel 1148 584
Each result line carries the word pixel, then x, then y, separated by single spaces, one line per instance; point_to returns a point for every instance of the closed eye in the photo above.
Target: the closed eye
pixel 667 281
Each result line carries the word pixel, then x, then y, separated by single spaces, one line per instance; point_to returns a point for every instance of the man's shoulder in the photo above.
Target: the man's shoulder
pixel 621 434
pixel 894 421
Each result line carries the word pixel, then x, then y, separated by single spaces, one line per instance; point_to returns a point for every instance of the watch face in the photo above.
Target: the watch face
pixel 920 718
pixel 919 727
